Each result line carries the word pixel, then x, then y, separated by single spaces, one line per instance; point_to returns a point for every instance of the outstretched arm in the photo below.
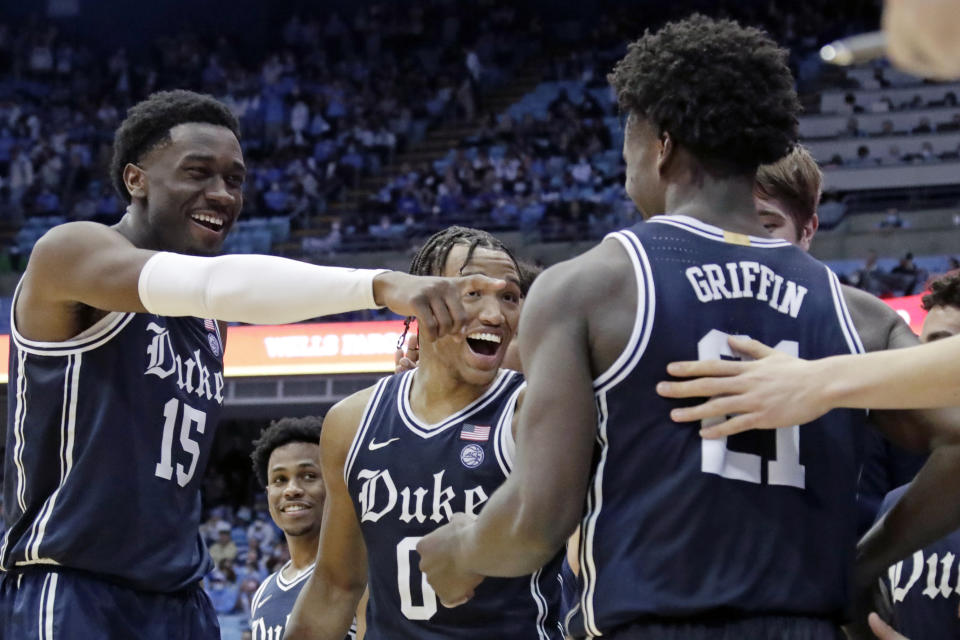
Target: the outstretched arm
pixel 777 390
pixel 96 266
pixel 327 604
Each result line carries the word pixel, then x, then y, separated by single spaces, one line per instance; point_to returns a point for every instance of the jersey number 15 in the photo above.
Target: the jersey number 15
pixel 191 417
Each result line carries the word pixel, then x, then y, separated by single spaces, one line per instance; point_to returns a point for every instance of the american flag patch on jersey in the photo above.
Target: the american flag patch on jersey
pixel 209 325
pixel 476 432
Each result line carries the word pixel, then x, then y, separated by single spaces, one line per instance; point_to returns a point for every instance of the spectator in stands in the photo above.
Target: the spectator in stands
pixel 224 548
pixel 853 129
pixel 923 126
pixel 869 277
pixel 893 155
pixel 262 531
pixel 907 275
pixel 864 159
pixel 892 220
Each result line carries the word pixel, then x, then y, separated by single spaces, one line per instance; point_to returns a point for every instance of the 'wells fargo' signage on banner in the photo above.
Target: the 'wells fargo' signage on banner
pixel 346 347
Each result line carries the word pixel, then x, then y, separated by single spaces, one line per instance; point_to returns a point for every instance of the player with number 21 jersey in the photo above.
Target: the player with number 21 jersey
pixel 772 512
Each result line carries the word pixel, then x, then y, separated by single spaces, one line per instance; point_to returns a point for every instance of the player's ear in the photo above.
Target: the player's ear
pixel 665 151
pixel 135 180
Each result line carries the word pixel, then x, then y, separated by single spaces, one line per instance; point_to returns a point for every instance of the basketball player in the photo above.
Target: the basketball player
pixel 923 588
pixel 286 460
pixel 787 193
pixel 117 380
pixel 679 539
pixel 402 457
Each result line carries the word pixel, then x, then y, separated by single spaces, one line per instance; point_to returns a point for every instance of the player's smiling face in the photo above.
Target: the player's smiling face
pixel 194 188
pixel 295 490
pixel 477 355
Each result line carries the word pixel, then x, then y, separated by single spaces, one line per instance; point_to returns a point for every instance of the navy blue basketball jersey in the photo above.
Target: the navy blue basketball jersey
pixel 925 588
pixel 108 436
pixel 406 479
pixel 678 527
pixel 273 602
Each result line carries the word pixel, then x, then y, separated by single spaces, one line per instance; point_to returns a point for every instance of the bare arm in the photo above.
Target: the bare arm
pixel 327 604
pixel 777 390
pixel 533 513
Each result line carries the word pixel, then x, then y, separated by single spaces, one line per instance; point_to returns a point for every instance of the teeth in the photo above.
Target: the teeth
pixel 205 218
pixel 489 337
pixel 294 507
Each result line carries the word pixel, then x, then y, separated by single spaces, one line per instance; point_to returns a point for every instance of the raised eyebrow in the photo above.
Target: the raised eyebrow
pixel 477 273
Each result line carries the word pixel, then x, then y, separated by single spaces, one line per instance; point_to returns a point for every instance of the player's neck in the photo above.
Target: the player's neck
pixel 132 228
pixel 436 394
pixel 726 203
pixel 303 552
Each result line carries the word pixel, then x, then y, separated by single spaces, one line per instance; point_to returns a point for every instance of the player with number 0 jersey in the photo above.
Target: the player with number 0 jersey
pixel 419 449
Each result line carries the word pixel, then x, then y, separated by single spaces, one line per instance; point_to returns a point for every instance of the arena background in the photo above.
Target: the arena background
pixel 367 126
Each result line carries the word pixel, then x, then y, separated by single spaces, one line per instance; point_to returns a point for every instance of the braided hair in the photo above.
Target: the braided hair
pixel 432 256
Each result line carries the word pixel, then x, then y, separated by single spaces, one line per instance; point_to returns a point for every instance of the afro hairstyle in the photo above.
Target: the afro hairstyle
pixel 721 90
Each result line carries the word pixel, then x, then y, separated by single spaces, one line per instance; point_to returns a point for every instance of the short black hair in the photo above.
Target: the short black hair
pixel 721 90
pixel 944 291
pixel 281 432
pixel 148 124
pixel 432 256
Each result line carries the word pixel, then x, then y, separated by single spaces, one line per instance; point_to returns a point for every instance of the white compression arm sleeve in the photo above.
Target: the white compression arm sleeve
pixel 255 289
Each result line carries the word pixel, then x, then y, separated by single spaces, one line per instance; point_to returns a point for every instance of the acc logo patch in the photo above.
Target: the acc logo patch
pixel 471 456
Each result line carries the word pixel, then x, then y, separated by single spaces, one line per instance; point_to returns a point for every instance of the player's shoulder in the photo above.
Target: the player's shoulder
pixel 342 421
pixel 879 325
pixel 593 275
pixel 68 243
pixel 262 591
pixel 81 232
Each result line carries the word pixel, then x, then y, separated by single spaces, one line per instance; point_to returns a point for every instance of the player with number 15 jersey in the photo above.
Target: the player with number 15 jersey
pixel 134 400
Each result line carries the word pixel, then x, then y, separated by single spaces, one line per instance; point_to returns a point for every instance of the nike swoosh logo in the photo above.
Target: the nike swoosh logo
pixel 373 446
pixel 262 602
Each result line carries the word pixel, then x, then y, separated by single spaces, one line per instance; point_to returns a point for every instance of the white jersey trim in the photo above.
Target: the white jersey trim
pixel 286 585
pixel 68 424
pixel 255 601
pixel 364 426
pixel 95 336
pixel 424 430
pixel 643 320
pixel 588 567
pixel 48 599
pixel 504 446
pixel 843 314
pixel 711 232
pixel 541 604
